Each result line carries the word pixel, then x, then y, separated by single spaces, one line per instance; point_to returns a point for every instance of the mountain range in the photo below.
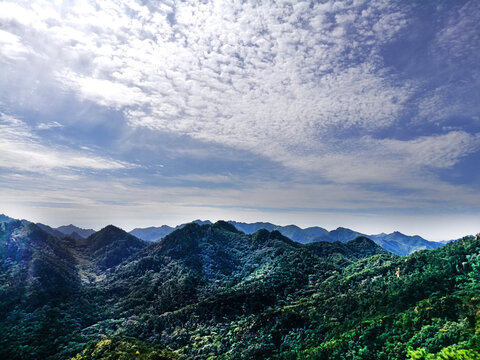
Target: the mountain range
pixel 67 231
pixel 211 291
pixel 395 242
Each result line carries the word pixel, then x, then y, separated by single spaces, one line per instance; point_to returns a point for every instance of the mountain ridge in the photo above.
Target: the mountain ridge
pixel 395 242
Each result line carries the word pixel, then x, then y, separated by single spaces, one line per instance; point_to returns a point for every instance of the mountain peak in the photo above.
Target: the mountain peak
pixel 111 245
pixel 5 218
pixel 341 228
pixel 225 226
pixel 108 234
pixel 70 229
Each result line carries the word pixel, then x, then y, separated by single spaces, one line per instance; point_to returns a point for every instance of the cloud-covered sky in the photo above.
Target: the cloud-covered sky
pixel 364 114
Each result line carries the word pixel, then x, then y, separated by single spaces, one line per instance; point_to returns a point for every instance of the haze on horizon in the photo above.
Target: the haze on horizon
pixel 362 114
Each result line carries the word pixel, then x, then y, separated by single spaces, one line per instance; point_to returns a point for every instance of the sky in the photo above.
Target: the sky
pixel 362 114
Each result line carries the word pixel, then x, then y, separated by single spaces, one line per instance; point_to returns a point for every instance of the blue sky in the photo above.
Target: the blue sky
pixel 363 114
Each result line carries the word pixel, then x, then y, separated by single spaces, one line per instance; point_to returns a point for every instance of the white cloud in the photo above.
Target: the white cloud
pixel 103 92
pixel 236 73
pixel 22 150
pixel 408 164
pixel 49 125
pixel 12 47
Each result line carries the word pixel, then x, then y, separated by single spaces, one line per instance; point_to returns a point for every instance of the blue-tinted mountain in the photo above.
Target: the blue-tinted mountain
pixel 71 231
pixel 152 233
pixel 402 244
pixel 339 234
pixel 48 229
pixel 396 242
pixel 291 231
pixel 157 233
pixel 5 218
pixel 75 231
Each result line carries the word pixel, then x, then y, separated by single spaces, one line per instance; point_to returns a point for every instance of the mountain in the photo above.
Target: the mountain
pixel 356 249
pixel 50 230
pixel 401 244
pixel 75 231
pixel 5 219
pixel 292 231
pixel 263 296
pixel 45 295
pixel 71 231
pixel 36 268
pixel 212 291
pixel 157 233
pixel 395 242
pixel 109 246
pixel 339 234
pixel 152 233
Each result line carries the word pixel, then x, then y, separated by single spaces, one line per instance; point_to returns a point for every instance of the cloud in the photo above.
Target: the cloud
pixel 103 92
pixel 22 150
pixel 239 74
pixel 328 205
pixel 50 125
pixel 12 47
pixel 408 164
pixel 303 88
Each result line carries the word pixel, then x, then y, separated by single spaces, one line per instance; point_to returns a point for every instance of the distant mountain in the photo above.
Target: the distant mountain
pixel 5 218
pixel 70 230
pixel 396 242
pixel 50 230
pixel 157 233
pixel 291 231
pixel 339 234
pixel 198 222
pixel 152 233
pixel 402 244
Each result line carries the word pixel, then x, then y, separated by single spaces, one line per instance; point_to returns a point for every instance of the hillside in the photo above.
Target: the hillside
pixel 212 291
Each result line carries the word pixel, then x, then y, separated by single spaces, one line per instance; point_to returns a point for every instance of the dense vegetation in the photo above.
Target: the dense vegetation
pixel 213 292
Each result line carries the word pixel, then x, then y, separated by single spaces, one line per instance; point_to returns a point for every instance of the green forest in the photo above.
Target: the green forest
pixel 213 292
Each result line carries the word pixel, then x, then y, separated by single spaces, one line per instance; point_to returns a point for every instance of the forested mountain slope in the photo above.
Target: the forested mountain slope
pixel 213 292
